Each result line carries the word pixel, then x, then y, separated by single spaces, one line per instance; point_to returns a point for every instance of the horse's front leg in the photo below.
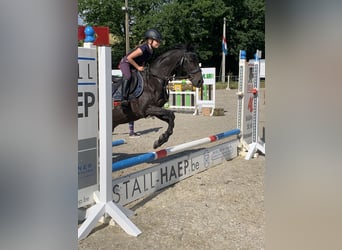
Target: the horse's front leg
pixel 167 116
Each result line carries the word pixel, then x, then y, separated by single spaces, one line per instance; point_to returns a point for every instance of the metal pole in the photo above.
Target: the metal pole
pixel 223 54
pixel 150 156
pixel 126 26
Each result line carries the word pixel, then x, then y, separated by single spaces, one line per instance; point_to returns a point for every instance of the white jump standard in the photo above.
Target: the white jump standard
pixel 248 105
pixel 104 204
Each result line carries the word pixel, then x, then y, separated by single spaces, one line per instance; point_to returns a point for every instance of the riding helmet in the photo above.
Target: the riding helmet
pixel 153 34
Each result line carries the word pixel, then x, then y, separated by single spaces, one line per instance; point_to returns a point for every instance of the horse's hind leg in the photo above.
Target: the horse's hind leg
pixel 166 116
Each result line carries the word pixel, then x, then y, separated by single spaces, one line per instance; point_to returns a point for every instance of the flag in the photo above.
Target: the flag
pixel 224 45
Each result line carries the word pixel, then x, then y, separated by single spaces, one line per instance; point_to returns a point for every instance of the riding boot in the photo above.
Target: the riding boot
pixel 125 92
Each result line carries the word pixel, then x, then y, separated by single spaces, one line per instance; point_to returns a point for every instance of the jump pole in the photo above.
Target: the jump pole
pixel 118 142
pixel 147 157
pixel 104 204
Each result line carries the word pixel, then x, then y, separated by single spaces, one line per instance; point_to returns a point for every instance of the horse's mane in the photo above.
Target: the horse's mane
pixel 163 56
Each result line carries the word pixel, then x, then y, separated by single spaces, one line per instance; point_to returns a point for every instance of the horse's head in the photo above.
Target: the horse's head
pixel 189 65
pixel 181 60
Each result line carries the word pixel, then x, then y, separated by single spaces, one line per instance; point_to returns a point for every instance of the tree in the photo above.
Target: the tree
pixel 193 22
pixel 198 22
pixel 246 29
pixel 106 13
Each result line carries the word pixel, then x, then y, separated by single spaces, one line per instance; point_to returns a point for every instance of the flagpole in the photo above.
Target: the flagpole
pixel 223 66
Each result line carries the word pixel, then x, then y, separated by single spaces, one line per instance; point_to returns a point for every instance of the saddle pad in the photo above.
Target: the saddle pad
pixel 117 90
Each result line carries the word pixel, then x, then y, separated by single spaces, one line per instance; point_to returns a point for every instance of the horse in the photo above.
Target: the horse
pixel 154 92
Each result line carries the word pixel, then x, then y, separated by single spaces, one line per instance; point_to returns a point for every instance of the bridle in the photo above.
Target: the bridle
pixel 190 75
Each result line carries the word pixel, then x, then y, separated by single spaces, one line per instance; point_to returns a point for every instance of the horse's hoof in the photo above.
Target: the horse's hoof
pixel 156 145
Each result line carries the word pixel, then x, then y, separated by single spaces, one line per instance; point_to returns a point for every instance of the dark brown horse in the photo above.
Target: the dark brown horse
pixel 155 94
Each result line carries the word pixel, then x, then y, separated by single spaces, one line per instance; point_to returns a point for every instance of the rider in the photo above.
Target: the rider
pixel 136 59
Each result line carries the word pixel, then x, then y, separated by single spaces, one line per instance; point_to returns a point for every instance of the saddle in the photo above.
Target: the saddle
pixel 135 89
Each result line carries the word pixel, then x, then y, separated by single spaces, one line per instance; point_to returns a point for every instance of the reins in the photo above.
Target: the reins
pixel 191 73
pixel 164 81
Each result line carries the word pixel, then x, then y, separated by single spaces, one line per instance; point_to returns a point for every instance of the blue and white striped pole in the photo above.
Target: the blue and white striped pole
pixel 147 157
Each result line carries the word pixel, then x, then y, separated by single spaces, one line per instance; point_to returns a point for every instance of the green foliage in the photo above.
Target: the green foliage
pixel 246 29
pixel 198 22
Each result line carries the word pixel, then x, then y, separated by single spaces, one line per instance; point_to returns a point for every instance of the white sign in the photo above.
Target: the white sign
pixel 87 93
pixel 248 105
pixel 262 73
pixel 208 75
pixel 262 68
pixel 207 96
pixel 142 183
pixel 87 125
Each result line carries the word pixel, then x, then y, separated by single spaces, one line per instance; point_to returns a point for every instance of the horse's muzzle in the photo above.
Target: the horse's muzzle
pixel 197 81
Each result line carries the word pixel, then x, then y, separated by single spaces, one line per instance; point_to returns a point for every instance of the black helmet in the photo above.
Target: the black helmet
pixel 153 34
